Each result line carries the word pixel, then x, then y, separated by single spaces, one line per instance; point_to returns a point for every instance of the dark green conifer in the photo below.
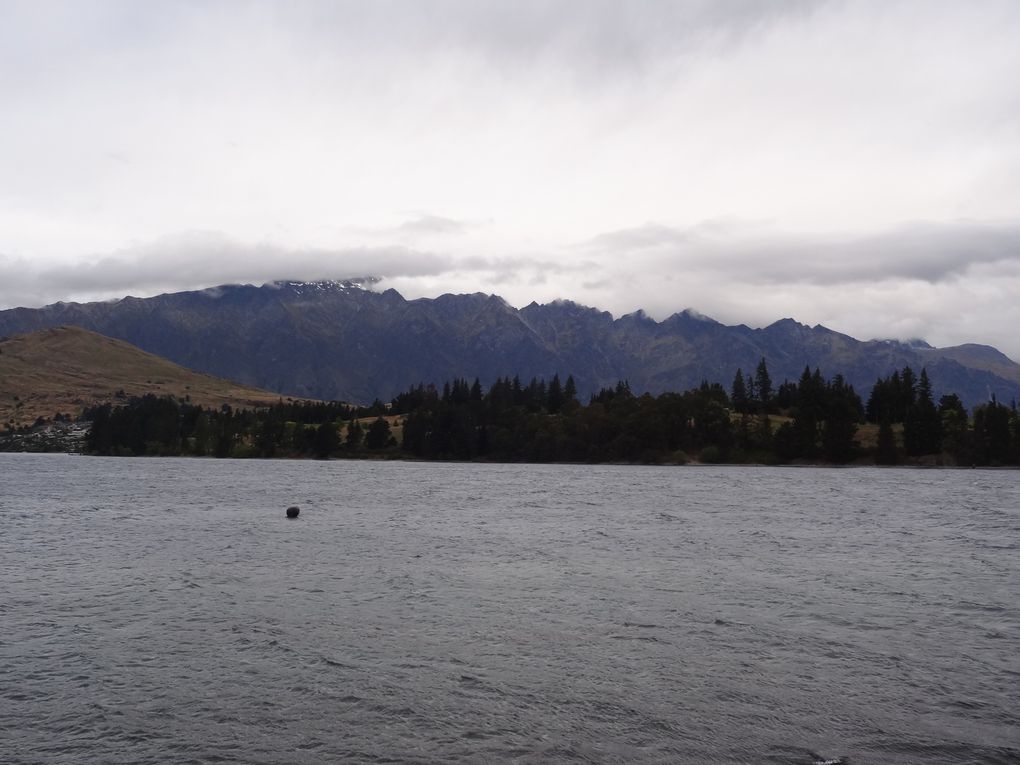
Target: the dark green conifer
pixel 922 427
pixel 554 398
pixel 885 452
pixel 570 389
pixel 738 394
pixel 327 441
pixel 763 386
pixel 378 435
pixel 355 434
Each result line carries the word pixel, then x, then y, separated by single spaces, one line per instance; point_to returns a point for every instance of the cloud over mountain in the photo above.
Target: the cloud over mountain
pixel 846 163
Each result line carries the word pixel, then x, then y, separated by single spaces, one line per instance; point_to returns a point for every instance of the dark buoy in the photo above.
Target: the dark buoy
pixel 292 511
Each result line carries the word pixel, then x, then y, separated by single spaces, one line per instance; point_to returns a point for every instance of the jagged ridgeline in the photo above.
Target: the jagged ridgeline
pixel 350 341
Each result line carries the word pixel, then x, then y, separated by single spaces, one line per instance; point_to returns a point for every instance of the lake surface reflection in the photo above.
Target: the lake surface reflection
pixel 159 610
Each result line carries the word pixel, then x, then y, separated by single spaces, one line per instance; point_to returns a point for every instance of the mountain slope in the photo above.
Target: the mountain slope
pixel 979 357
pixel 339 340
pixel 65 369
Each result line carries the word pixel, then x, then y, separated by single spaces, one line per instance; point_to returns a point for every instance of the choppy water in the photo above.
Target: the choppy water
pixel 166 611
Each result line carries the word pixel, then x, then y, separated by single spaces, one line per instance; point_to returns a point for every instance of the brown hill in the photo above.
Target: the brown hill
pixel 65 369
pixel 981 357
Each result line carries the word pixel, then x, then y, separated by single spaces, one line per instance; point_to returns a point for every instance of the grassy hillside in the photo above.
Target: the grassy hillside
pixel 979 357
pixel 66 369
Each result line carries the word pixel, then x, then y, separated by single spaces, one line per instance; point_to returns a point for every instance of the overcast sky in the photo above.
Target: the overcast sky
pixel 854 164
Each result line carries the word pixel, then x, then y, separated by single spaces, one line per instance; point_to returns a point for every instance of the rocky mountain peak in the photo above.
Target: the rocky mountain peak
pixel 342 339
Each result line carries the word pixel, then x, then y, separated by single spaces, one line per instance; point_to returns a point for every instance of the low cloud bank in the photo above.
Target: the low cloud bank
pixel 946 283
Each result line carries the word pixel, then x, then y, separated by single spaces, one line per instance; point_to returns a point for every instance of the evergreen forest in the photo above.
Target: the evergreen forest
pixel 812 420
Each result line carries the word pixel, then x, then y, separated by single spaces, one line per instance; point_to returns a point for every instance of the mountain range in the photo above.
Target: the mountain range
pixel 347 340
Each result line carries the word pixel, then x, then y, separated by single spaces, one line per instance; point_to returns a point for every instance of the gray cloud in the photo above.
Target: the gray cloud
pixel 804 135
pixel 930 252
pixel 432 224
pixel 588 37
pixel 946 283
pixel 949 283
pixel 202 259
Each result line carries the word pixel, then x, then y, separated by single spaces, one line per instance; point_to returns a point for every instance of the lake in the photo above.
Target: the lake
pixel 165 610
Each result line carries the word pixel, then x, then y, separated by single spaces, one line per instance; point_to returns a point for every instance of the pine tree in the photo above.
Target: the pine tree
pixel 570 389
pixel 326 440
pixel 763 386
pixel 992 433
pixel 534 395
pixel 355 434
pixel 877 408
pixel 378 435
pixel 99 439
pixel 908 392
pixel 738 394
pixel 885 452
pixel 838 443
pixel 786 395
pixel 922 427
pixel 842 410
pixel 554 398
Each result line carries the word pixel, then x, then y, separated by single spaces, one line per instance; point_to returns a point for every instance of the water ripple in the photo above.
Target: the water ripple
pixel 163 610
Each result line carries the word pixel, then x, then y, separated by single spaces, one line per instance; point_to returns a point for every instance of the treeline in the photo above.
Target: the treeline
pixel 541 422
pixel 163 426
pixel 990 437
pixel 813 419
